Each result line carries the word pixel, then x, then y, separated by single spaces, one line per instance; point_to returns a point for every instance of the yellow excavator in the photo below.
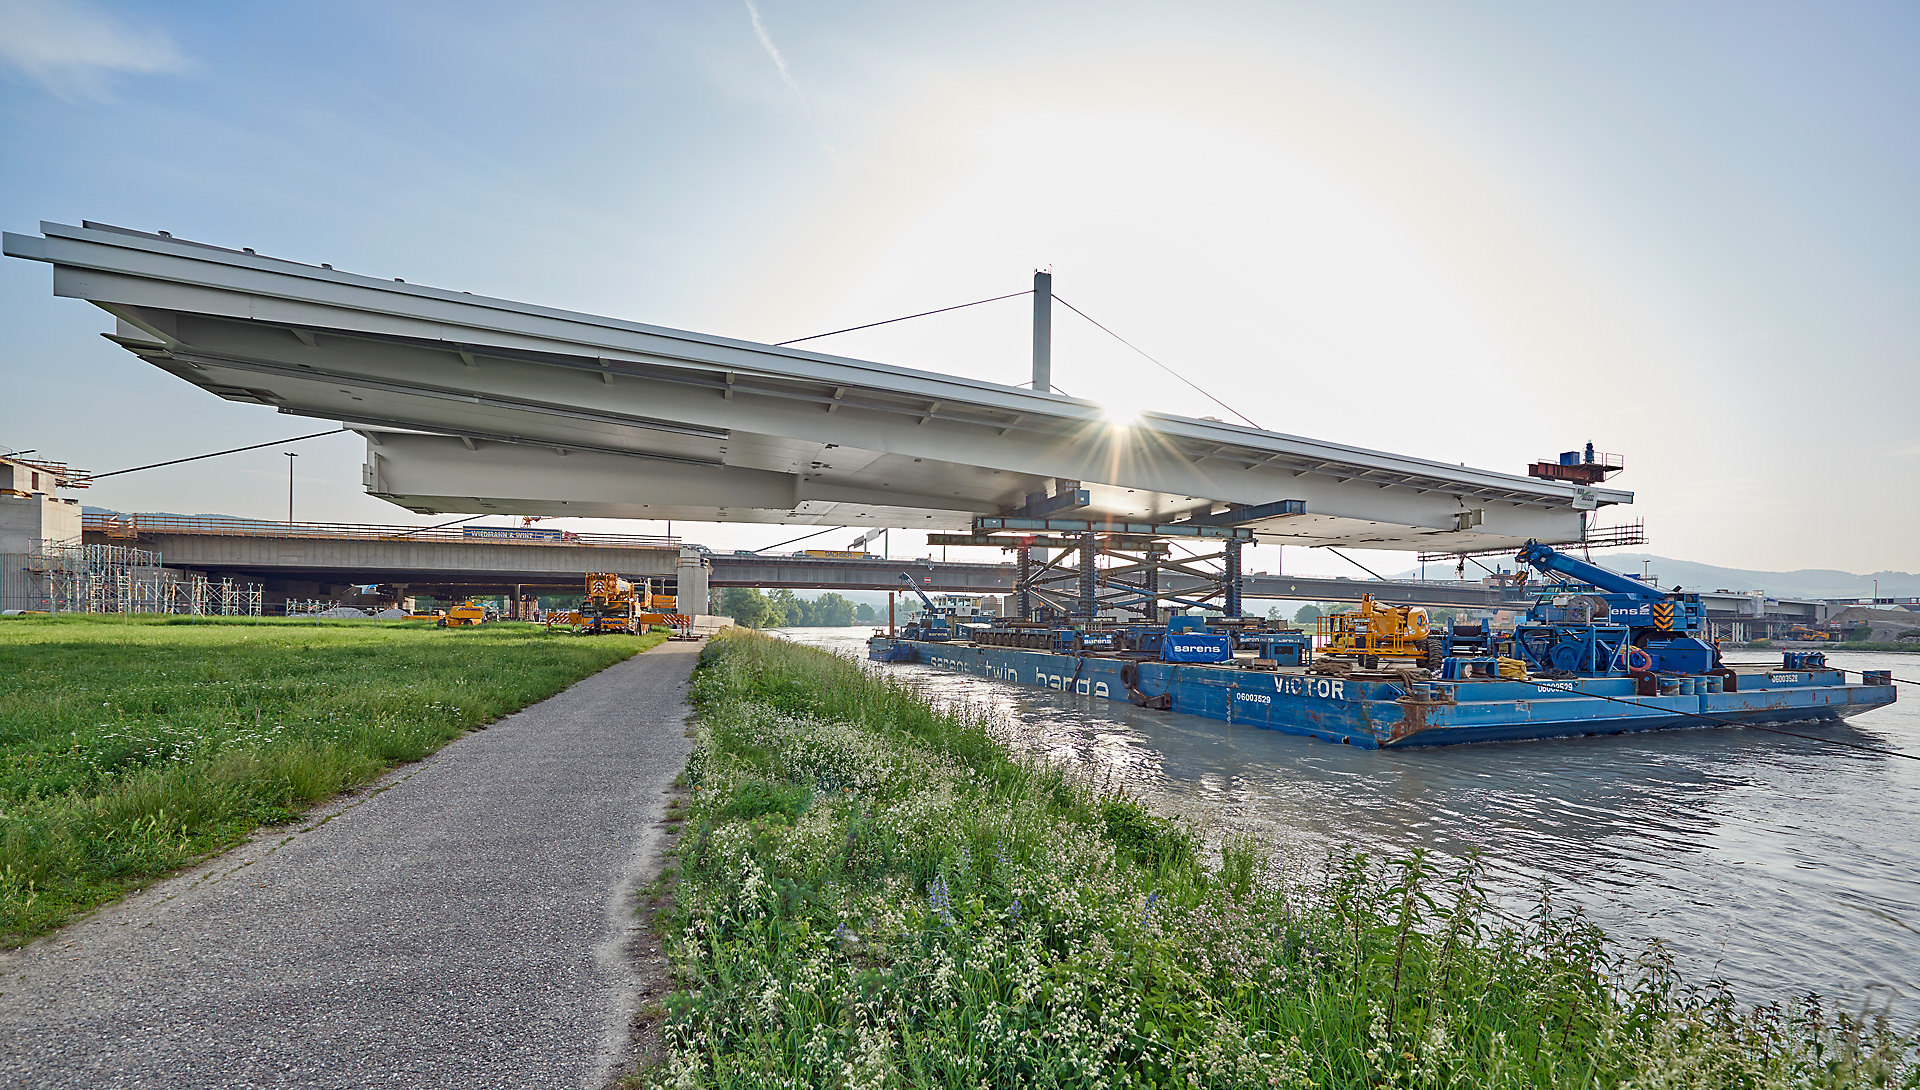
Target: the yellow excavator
pixel 464 615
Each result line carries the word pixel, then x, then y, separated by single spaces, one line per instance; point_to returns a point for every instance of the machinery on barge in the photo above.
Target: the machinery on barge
pixel 1595 653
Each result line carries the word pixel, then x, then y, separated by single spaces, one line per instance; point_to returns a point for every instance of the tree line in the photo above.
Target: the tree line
pixel 783 609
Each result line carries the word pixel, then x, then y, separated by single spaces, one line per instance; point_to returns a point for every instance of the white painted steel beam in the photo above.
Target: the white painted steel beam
pixel 472 404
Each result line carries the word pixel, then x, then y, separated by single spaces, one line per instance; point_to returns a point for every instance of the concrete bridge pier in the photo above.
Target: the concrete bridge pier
pixel 693 577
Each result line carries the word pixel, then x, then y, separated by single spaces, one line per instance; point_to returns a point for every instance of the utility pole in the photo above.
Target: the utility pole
pixel 1042 332
pixel 290 457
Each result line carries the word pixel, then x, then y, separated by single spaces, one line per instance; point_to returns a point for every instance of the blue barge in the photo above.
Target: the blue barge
pixel 1598 653
pixel 1381 711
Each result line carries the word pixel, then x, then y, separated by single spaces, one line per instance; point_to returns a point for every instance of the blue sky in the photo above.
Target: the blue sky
pixel 1480 232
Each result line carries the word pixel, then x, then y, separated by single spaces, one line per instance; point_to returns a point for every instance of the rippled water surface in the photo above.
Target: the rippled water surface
pixel 1780 864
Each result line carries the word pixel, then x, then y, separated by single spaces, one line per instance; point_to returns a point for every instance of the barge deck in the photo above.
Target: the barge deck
pixel 1381 710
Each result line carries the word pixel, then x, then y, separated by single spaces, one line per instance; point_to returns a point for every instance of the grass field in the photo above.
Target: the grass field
pixel 875 893
pixel 127 750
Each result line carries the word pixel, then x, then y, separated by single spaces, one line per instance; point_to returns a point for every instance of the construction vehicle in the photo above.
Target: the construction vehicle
pixel 1375 632
pixel 465 615
pixel 611 604
pixel 930 624
pixel 1815 635
pixel 1598 622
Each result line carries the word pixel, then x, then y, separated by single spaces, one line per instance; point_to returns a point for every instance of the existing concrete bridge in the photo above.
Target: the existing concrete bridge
pixel 314 559
pixel 326 560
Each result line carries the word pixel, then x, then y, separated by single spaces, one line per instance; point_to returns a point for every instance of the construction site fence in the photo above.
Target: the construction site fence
pixel 132 527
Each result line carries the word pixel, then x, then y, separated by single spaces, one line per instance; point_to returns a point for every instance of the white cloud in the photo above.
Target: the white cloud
pixel 780 62
pixel 766 42
pixel 73 49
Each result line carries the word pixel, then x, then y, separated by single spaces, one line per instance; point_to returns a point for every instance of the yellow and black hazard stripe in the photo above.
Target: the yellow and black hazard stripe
pixel 1663 616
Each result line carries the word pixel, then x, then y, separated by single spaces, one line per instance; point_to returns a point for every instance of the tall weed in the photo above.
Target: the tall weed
pixel 875 893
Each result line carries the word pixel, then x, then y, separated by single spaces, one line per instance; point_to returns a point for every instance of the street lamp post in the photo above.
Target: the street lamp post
pixel 290 457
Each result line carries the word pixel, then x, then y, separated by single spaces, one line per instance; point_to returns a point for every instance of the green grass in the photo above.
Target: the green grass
pixel 128 750
pixel 875 893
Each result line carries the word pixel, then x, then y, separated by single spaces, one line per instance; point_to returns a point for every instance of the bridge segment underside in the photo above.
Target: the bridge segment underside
pixel 473 405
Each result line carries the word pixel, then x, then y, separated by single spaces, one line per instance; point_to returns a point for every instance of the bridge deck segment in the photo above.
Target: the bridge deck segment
pixel 471 404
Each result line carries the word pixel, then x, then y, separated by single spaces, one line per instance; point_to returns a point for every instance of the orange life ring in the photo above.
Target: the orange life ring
pixel 1645 663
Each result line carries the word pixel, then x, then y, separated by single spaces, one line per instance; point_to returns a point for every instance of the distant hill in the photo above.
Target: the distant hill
pixel 163 514
pixel 1803 583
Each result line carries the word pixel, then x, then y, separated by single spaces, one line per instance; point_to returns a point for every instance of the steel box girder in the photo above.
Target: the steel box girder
pixel 332 344
pixel 1112 543
pixel 989 523
pixel 1238 516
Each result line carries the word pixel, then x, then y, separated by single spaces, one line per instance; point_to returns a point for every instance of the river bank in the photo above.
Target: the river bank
pixel 1908 647
pixel 874 890
pixel 1780 865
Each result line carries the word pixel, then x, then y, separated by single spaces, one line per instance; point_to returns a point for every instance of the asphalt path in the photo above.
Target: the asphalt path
pixel 465 922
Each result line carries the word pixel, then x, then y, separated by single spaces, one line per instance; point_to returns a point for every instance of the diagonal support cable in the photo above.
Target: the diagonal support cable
pixel 215 454
pixel 903 318
pixel 1156 362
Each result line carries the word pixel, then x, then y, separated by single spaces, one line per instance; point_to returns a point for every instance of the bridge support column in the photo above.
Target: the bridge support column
pixel 1150 584
pixel 1089 597
pixel 1023 578
pixel 692 581
pixel 1232 578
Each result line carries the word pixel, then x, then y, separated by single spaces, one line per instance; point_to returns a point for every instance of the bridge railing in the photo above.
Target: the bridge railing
pixel 134 526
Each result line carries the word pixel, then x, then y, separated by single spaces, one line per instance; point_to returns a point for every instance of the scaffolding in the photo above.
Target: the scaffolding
pixel 78 578
pixel 1141 578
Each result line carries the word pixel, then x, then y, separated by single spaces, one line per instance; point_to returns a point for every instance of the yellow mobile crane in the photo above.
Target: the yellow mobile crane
pixel 614 604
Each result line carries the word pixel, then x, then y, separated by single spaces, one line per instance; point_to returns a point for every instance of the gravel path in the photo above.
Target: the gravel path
pixel 463 923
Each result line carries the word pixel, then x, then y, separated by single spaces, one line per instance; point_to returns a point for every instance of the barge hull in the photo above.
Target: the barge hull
pixel 1381 713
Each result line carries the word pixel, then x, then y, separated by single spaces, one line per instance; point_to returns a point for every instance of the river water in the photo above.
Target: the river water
pixel 1779 865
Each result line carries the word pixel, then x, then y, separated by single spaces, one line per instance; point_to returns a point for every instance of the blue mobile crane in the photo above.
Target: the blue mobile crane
pixel 932 625
pixel 1602 622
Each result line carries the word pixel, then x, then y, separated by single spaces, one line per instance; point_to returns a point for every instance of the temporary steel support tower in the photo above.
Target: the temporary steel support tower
pixel 1074 585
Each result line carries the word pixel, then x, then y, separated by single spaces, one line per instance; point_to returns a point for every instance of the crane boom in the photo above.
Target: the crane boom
pixel 915 587
pixel 1547 559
